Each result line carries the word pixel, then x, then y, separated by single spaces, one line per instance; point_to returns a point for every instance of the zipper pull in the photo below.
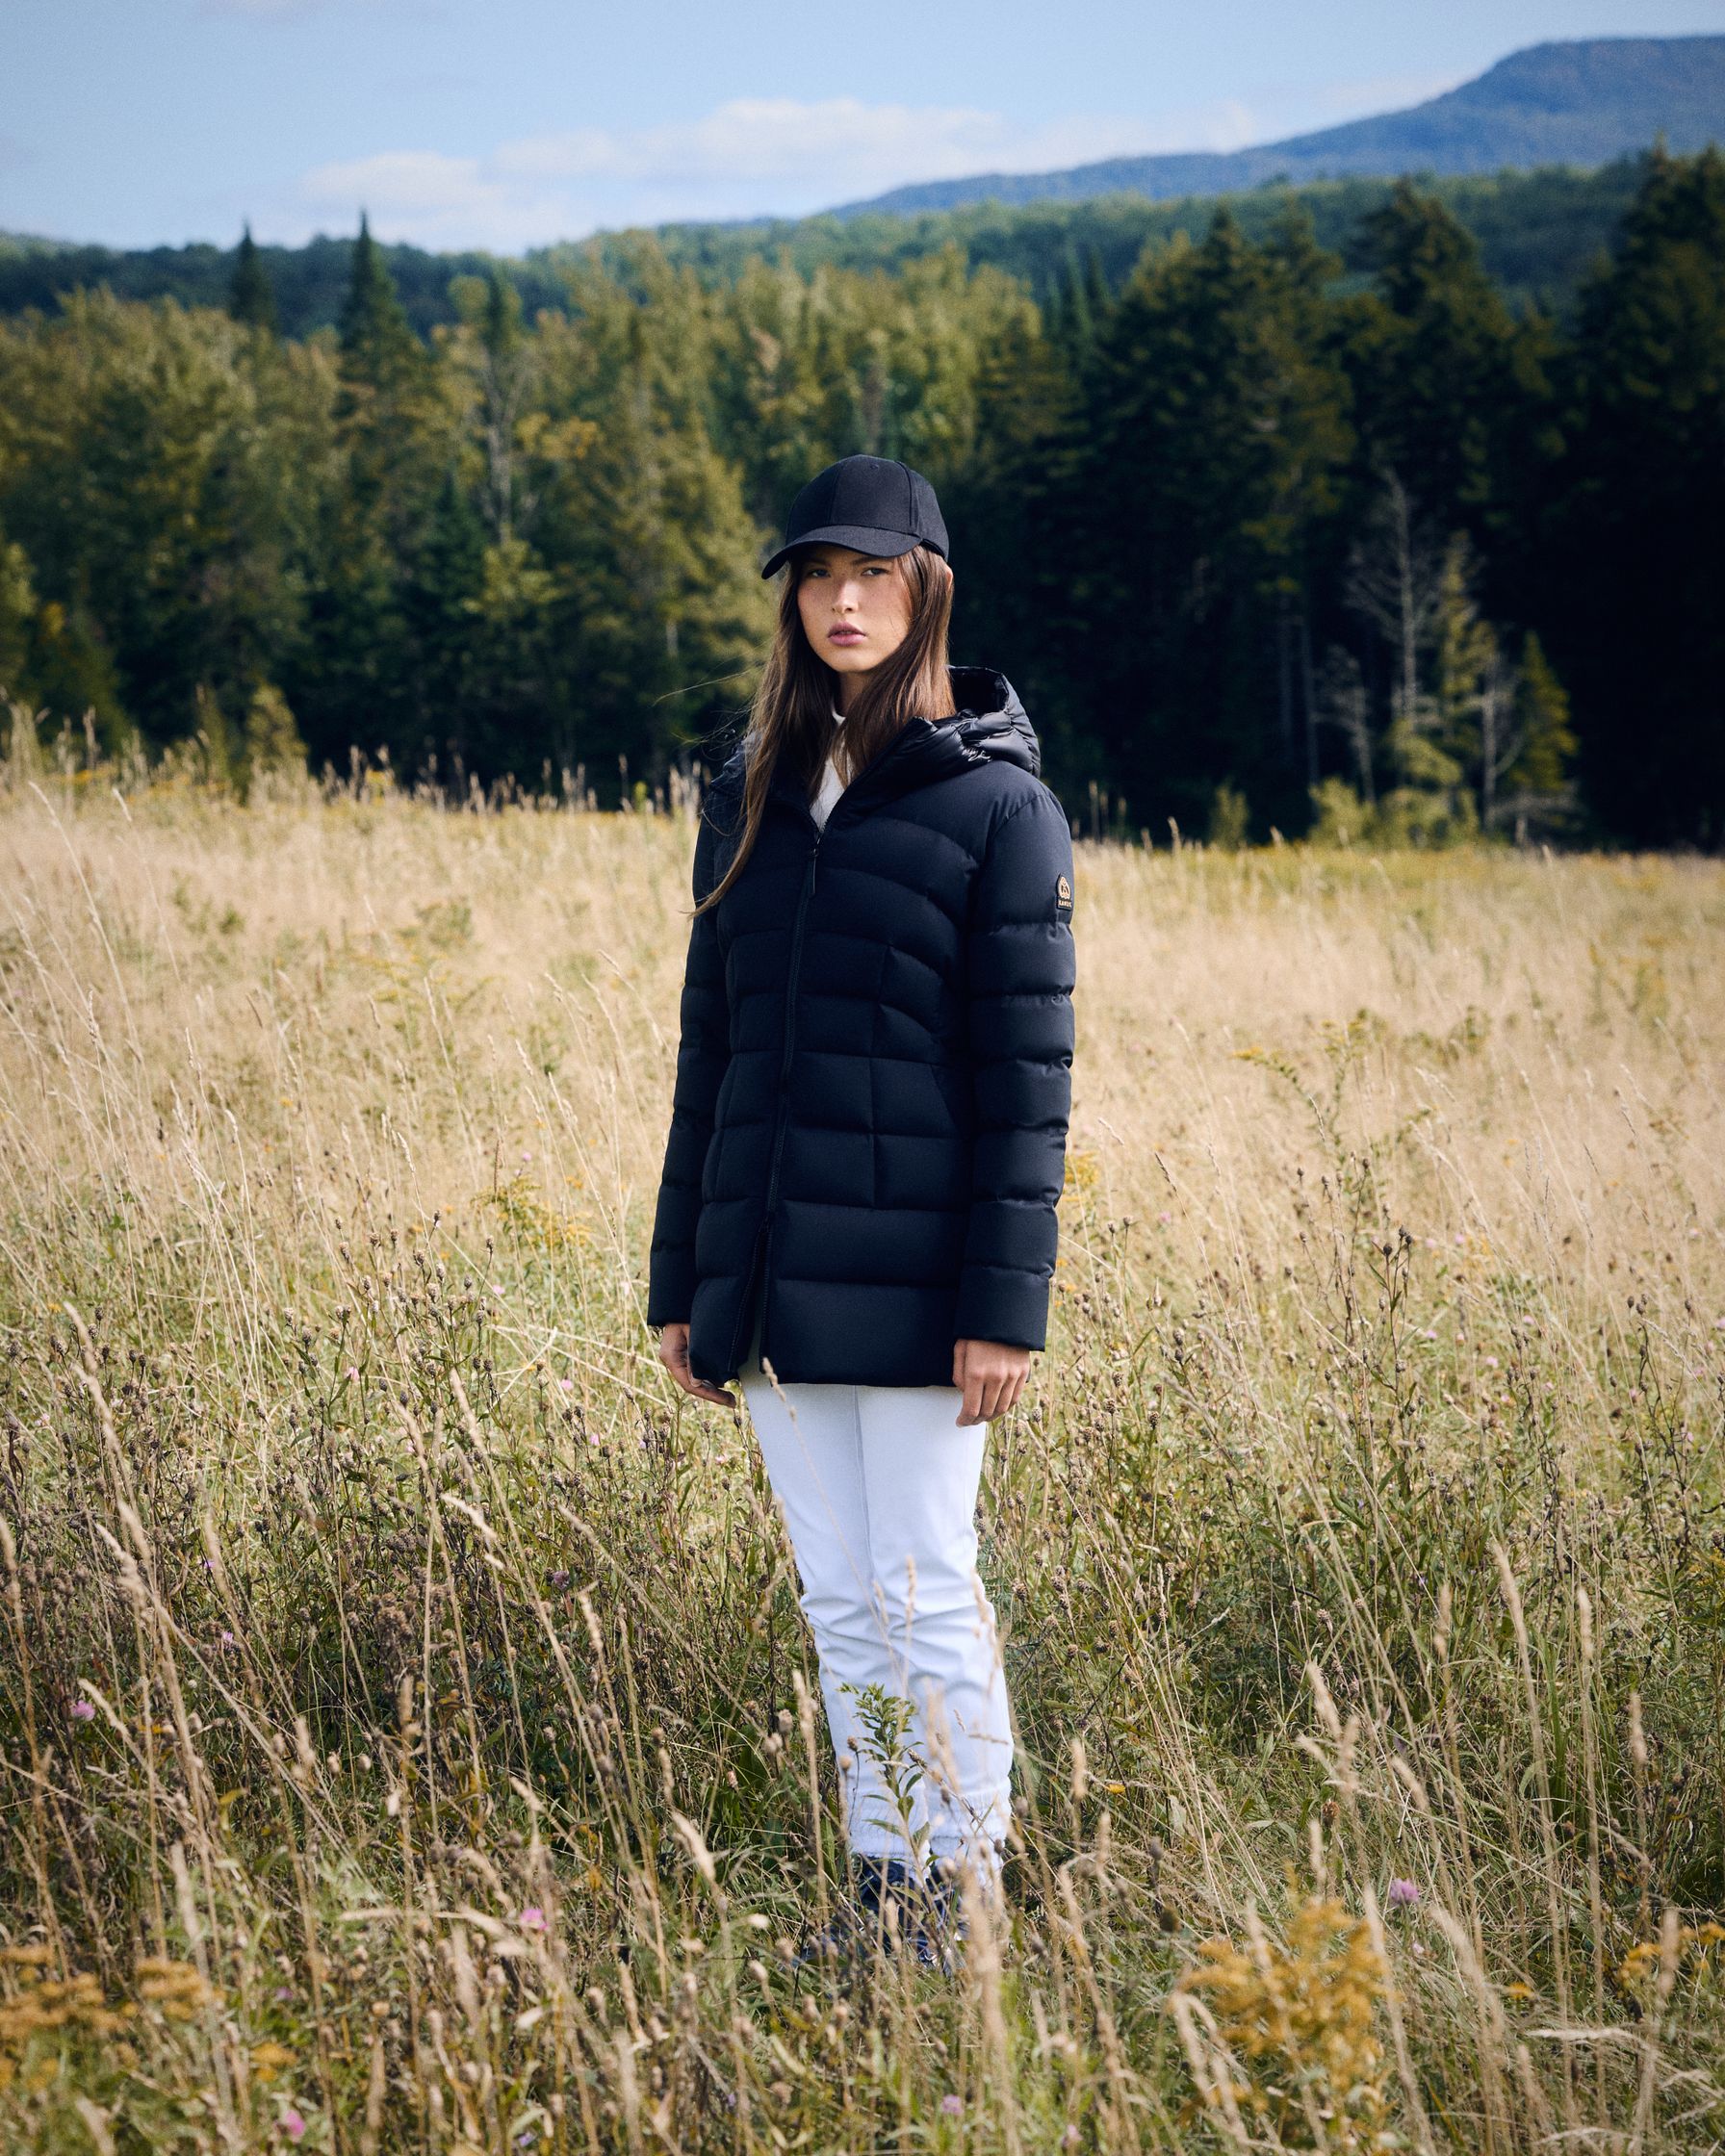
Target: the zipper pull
pixel 814 866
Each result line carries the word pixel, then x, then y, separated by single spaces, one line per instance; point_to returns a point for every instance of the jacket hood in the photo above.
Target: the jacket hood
pixel 990 726
pixel 992 719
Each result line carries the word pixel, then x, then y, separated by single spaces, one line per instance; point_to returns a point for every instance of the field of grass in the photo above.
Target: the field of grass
pixel 408 1736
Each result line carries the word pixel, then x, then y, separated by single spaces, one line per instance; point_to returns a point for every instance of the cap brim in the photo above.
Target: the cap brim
pixel 863 541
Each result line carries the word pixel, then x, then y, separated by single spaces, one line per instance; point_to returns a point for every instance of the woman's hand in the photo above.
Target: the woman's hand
pixel 673 1353
pixel 991 1375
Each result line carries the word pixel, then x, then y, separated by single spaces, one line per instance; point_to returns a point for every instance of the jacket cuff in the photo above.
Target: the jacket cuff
pixel 1003 1305
pixel 670 1286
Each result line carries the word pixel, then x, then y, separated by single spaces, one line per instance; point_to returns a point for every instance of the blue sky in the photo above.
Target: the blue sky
pixel 514 122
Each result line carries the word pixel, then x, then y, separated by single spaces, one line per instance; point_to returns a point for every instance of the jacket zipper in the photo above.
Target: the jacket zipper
pixel 783 1123
pixel 761 1261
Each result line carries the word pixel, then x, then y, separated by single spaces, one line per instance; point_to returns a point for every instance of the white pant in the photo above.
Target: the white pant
pixel 878 1487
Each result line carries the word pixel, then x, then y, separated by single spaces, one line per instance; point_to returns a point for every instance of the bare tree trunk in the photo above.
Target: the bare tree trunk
pixel 1395 583
pixel 1500 741
pixel 1410 609
pixel 1341 693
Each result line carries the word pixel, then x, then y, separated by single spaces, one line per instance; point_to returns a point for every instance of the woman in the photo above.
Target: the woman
pixel 856 1215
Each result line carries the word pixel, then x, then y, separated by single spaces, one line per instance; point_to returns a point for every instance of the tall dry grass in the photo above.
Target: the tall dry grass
pixel 407 1730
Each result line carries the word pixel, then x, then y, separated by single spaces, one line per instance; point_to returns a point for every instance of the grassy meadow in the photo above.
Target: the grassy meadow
pixel 407 1731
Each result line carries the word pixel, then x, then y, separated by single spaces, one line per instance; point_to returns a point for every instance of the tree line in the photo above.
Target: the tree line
pixel 1270 535
pixel 1539 233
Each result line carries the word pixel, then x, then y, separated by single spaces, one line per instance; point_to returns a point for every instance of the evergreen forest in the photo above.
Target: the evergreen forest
pixel 1305 516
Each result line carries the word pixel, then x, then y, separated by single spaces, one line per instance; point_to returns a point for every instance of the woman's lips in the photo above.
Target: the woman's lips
pixel 845 636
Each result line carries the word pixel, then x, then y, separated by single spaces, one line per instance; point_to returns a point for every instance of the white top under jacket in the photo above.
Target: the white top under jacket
pixel 831 785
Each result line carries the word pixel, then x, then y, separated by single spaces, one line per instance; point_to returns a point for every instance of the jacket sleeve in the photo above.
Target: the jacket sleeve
pixel 703 1054
pixel 1020 974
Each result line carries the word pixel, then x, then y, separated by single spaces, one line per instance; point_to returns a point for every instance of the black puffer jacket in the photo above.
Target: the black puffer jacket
pixel 874 1078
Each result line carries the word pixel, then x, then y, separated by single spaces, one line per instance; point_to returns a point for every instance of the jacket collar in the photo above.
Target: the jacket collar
pixel 991 725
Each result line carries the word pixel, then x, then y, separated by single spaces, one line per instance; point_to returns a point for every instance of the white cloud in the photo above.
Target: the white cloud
pixel 748 158
pixel 437 202
pixel 404 182
pixel 840 142
pixel 770 155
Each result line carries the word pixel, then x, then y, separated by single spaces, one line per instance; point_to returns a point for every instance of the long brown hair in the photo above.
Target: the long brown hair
pixel 792 712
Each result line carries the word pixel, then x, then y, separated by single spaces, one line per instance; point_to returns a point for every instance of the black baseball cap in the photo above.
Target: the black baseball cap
pixel 872 503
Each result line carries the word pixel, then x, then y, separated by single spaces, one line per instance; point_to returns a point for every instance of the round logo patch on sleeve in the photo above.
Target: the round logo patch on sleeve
pixel 1063 899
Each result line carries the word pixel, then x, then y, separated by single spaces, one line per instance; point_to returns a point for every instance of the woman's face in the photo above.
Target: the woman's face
pixel 856 609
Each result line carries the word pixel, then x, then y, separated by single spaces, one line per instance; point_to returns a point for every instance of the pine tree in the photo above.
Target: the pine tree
pixel 1634 541
pixel 18 621
pixel 379 351
pixel 494 350
pixel 272 747
pixel 1448 387
pixel 660 612
pixel 369 684
pixel 1469 663
pixel 251 298
pixel 1212 429
pixel 1098 298
pixel 215 739
pixel 1537 785
pixel 1014 485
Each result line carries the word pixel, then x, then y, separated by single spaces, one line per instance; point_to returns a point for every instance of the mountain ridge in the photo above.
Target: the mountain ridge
pixel 1575 101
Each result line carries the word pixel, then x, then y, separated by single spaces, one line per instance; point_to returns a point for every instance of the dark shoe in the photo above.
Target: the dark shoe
pixel 909 1915
pixel 838 1939
pixel 944 1932
pixel 945 1897
pixel 849 1932
pixel 881 1881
